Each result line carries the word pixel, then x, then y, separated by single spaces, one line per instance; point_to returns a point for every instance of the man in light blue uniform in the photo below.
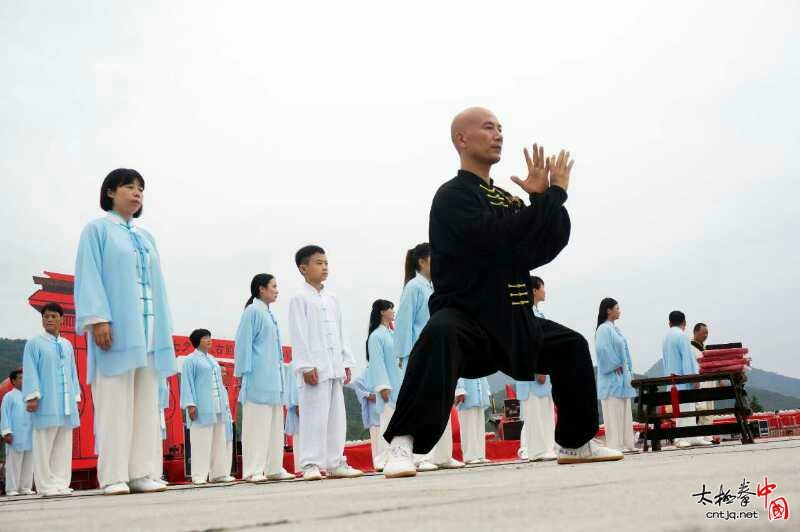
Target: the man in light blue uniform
pixel 678 359
pixel 16 430
pixel 208 414
pixel 473 397
pixel 50 389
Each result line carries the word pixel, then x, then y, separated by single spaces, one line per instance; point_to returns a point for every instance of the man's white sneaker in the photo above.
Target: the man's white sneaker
pixel 281 475
pixel 145 485
pixel 312 473
pixel 256 478
pixel 522 454
pixel 548 456
pixel 345 471
pixel 591 451
pixel 451 464
pixel 12 493
pixel 223 479
pixel 51 493
pixel 424 466
pixel 401 460
pixel 199 482
pixel 27 492
pixel 120 488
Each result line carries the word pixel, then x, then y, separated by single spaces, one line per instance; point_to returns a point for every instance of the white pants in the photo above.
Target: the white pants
pixel 380 447
pixel 262 439
pixel 52 458
pixel 19 469
pixel 323 424
pixel 687 422
pixel 127 426
pixel 538 435
pixel 211 454
pixel 473 433
pixel 618 419
pixel 442 452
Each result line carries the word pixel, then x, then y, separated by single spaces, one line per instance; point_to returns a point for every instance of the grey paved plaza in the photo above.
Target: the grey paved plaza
pixel 651 491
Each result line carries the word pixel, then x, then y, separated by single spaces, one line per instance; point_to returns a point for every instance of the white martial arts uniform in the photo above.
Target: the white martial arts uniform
pixel 315 322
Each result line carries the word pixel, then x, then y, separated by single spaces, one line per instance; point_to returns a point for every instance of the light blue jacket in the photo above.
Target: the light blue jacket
pixel 476 391
pixel 16 420
pixel 612 353
pixel 49 374
pixel 384 372
pixel 412 316
pixel 677 356
pixel 290 400
pixel 370 415
pixel 258 357
pixel 200 374
pixel 107 289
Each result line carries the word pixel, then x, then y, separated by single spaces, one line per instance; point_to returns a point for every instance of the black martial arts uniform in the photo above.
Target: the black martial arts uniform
pixel 484 242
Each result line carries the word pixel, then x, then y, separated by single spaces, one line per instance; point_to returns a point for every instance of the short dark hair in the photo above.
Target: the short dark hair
pixel 115 179
pixel 53 307
pixel 197 335
pixel 698 326
pixel 304 254
pixel 537 282
pixel 676 318
pixel 14 374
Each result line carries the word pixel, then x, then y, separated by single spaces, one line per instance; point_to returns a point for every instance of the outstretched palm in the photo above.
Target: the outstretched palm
pixel 538 172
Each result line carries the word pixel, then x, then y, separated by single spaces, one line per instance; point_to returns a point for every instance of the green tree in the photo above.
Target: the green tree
pixel 755 404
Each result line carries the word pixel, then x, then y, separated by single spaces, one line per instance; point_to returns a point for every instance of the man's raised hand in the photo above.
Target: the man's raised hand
pixel 538 170
pixel 560 168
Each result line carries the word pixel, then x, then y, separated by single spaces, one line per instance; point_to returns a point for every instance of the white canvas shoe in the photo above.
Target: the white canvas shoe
pixel 548 456
pixel 281 475
pixel 256 478
pixel 27 492
pixel 424 466
pixel 522 454
pixel 145 485
pixel 401 460
pixel 120 488
pixel 311 473
pixel 591 451
pixel 225 479
pixel 451 464
pixel 345 471
pixel 12 493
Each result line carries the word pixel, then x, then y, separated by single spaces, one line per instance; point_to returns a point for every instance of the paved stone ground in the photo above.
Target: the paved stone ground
pixel 648 491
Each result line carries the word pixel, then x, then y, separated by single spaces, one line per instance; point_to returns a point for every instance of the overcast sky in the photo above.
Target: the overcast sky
pixel 260 127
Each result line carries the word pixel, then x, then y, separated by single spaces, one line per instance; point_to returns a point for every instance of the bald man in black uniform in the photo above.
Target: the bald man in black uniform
pixel 484 242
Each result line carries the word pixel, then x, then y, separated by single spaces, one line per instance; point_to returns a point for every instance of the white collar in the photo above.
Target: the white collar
pixel 50 337
pixel 310 288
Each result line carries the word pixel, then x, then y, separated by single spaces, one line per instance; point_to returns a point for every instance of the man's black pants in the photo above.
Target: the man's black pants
pixel 454 345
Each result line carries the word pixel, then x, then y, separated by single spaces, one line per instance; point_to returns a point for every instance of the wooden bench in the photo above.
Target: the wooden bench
pixel 650 398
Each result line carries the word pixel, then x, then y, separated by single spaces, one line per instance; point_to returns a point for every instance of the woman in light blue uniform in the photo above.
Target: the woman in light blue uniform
pixel 473 397
pixel 207 412
pixel 614 370
pixel 121 300
pixel 537 440
pixel 258 360
pixel 412 316
pixel 385 375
